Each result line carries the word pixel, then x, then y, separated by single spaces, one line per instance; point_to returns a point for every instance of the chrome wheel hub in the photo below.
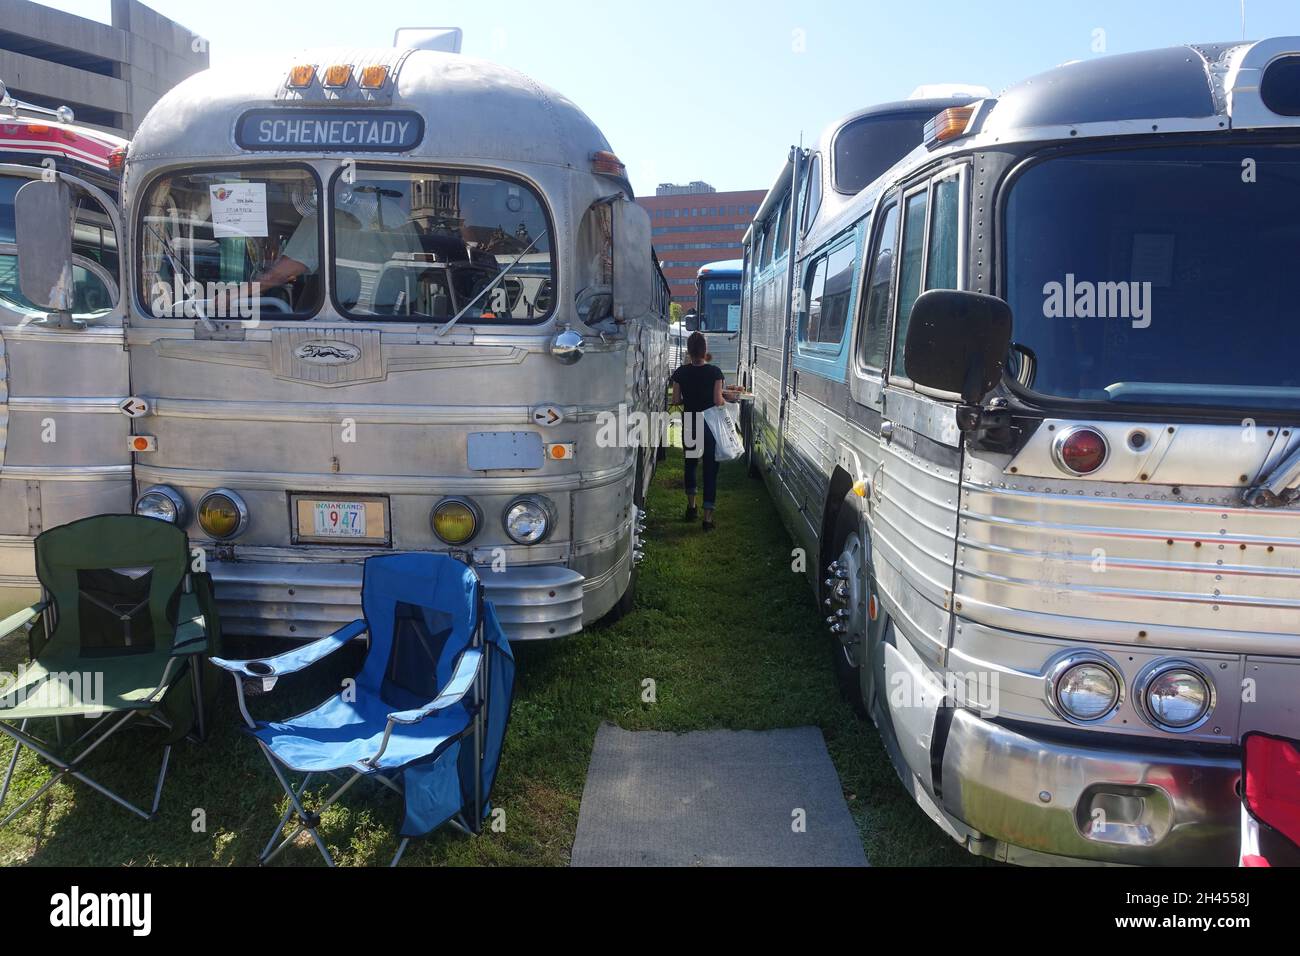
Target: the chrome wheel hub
pixel 846 602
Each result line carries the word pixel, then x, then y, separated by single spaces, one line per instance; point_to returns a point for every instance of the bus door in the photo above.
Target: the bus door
pixel 915 488
pixel 64 452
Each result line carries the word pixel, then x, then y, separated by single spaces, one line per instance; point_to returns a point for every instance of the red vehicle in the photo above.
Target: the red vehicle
pixel 30 134
pixel 35 137
pixel 1270 786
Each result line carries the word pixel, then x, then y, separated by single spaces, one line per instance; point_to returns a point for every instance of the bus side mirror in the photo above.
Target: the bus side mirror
pixel 43 228
pixel 633 263
pixel 691 321
pixel 957 342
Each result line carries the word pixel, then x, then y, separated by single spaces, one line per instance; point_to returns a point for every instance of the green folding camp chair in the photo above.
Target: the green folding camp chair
pixel 118 636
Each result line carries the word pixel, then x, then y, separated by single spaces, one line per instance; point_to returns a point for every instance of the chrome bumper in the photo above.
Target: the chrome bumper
pixel 1090 803
pixel 306 600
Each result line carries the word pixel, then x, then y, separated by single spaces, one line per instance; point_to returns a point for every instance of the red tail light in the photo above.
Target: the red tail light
pixel 1080 451
pixel 117 159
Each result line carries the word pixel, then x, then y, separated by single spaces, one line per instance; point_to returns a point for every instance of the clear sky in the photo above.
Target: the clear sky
pixel 718 89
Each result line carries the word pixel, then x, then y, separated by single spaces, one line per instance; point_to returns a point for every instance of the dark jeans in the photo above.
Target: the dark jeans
pixel 709 460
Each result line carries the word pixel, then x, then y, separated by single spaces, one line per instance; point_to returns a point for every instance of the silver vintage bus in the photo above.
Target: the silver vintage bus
pixel 1023 388
pixel 372 300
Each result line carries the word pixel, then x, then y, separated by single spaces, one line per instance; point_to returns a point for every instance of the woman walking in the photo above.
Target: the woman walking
pixel 697 387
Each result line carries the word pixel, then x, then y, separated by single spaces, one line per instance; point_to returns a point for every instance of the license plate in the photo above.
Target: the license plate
pixel 339 519
pixel 343 520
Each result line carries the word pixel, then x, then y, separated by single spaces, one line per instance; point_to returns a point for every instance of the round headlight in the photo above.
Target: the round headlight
pixel 222 514
pixel 527 520
pixel 1086 691
pixel 455 520
pixel 1177 696
pixel 163 503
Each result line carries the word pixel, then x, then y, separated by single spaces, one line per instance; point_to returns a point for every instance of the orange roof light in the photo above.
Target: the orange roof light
pixel 338 76
pixel 301 76
pixel 603 161
pixel 374 77
pixel 950 124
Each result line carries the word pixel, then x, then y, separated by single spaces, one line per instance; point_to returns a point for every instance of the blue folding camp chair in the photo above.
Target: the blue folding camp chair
pixel 426 715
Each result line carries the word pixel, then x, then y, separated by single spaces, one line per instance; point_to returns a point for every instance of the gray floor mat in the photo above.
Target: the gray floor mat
pixel 714 798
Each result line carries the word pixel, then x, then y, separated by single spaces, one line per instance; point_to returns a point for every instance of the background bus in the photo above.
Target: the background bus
pixel 34 137
pixel 717 313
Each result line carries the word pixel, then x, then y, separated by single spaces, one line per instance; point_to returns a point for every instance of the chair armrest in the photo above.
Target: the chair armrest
pixel 19 618
pixel 462 679
pixel 295 660
pixel 192 628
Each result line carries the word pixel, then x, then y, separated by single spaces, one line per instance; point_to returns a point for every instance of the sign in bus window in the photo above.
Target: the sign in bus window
pixel 231 243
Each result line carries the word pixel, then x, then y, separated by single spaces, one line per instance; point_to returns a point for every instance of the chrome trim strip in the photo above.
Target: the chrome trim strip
pixel 370 414
pixel 108 405
pixel 391 484
pixel 67 472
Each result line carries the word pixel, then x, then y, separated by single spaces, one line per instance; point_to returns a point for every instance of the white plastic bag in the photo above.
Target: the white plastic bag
pixel 726 434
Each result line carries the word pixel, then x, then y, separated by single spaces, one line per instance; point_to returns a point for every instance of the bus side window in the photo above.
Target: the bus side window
pixel 783 227
pixel 909 270
pixel 812 197
pixel 814 293
pixel 835 301
pixel 769 241
pixel 941 259
pixel 873 343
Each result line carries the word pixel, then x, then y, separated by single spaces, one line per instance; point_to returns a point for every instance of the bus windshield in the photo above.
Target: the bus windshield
pixel 719 307
pixel 1157 275
pixel 427 244
pixel 207 231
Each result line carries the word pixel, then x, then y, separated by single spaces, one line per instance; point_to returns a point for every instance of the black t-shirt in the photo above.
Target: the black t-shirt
pixel 696 382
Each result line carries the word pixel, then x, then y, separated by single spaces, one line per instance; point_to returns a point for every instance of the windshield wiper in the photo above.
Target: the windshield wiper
pixel 1279 487
pixel 488 288
pixel 179 265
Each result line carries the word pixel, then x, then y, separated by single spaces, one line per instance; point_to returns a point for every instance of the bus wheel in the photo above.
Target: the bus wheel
pixel 625 603
pixel 844 598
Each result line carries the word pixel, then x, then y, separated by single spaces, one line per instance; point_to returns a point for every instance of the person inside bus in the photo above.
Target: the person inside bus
pixel 363 249
pixel 697 387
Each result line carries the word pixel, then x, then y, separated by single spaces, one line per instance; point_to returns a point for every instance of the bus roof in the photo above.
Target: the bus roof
pixel 474 110
pixel 721 267
pixel 46 137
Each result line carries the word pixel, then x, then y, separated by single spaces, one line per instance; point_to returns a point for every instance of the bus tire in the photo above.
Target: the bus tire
pixel 624 605
pixel 847 555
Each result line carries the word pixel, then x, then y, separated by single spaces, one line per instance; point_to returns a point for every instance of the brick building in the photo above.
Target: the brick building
pixel 694 225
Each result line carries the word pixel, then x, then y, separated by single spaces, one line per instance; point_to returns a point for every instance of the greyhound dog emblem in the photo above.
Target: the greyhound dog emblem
pixel 327 352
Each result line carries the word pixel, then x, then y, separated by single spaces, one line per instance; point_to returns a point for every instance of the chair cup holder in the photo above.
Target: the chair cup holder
pixel 262 679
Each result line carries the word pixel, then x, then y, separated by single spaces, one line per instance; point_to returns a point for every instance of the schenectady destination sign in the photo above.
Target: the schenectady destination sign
pixel 375 130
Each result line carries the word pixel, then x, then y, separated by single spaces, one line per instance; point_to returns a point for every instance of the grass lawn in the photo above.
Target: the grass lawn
pixel 730 636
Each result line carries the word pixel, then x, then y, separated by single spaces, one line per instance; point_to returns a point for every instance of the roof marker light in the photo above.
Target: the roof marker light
pixel 338 76
pixel 374 77
pixel 948 124
pixel 301 76
pixel 603 161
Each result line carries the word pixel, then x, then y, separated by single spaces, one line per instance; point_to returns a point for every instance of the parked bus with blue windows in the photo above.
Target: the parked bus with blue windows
pixel 717 313
pixel 1030 426
pixel 351 330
